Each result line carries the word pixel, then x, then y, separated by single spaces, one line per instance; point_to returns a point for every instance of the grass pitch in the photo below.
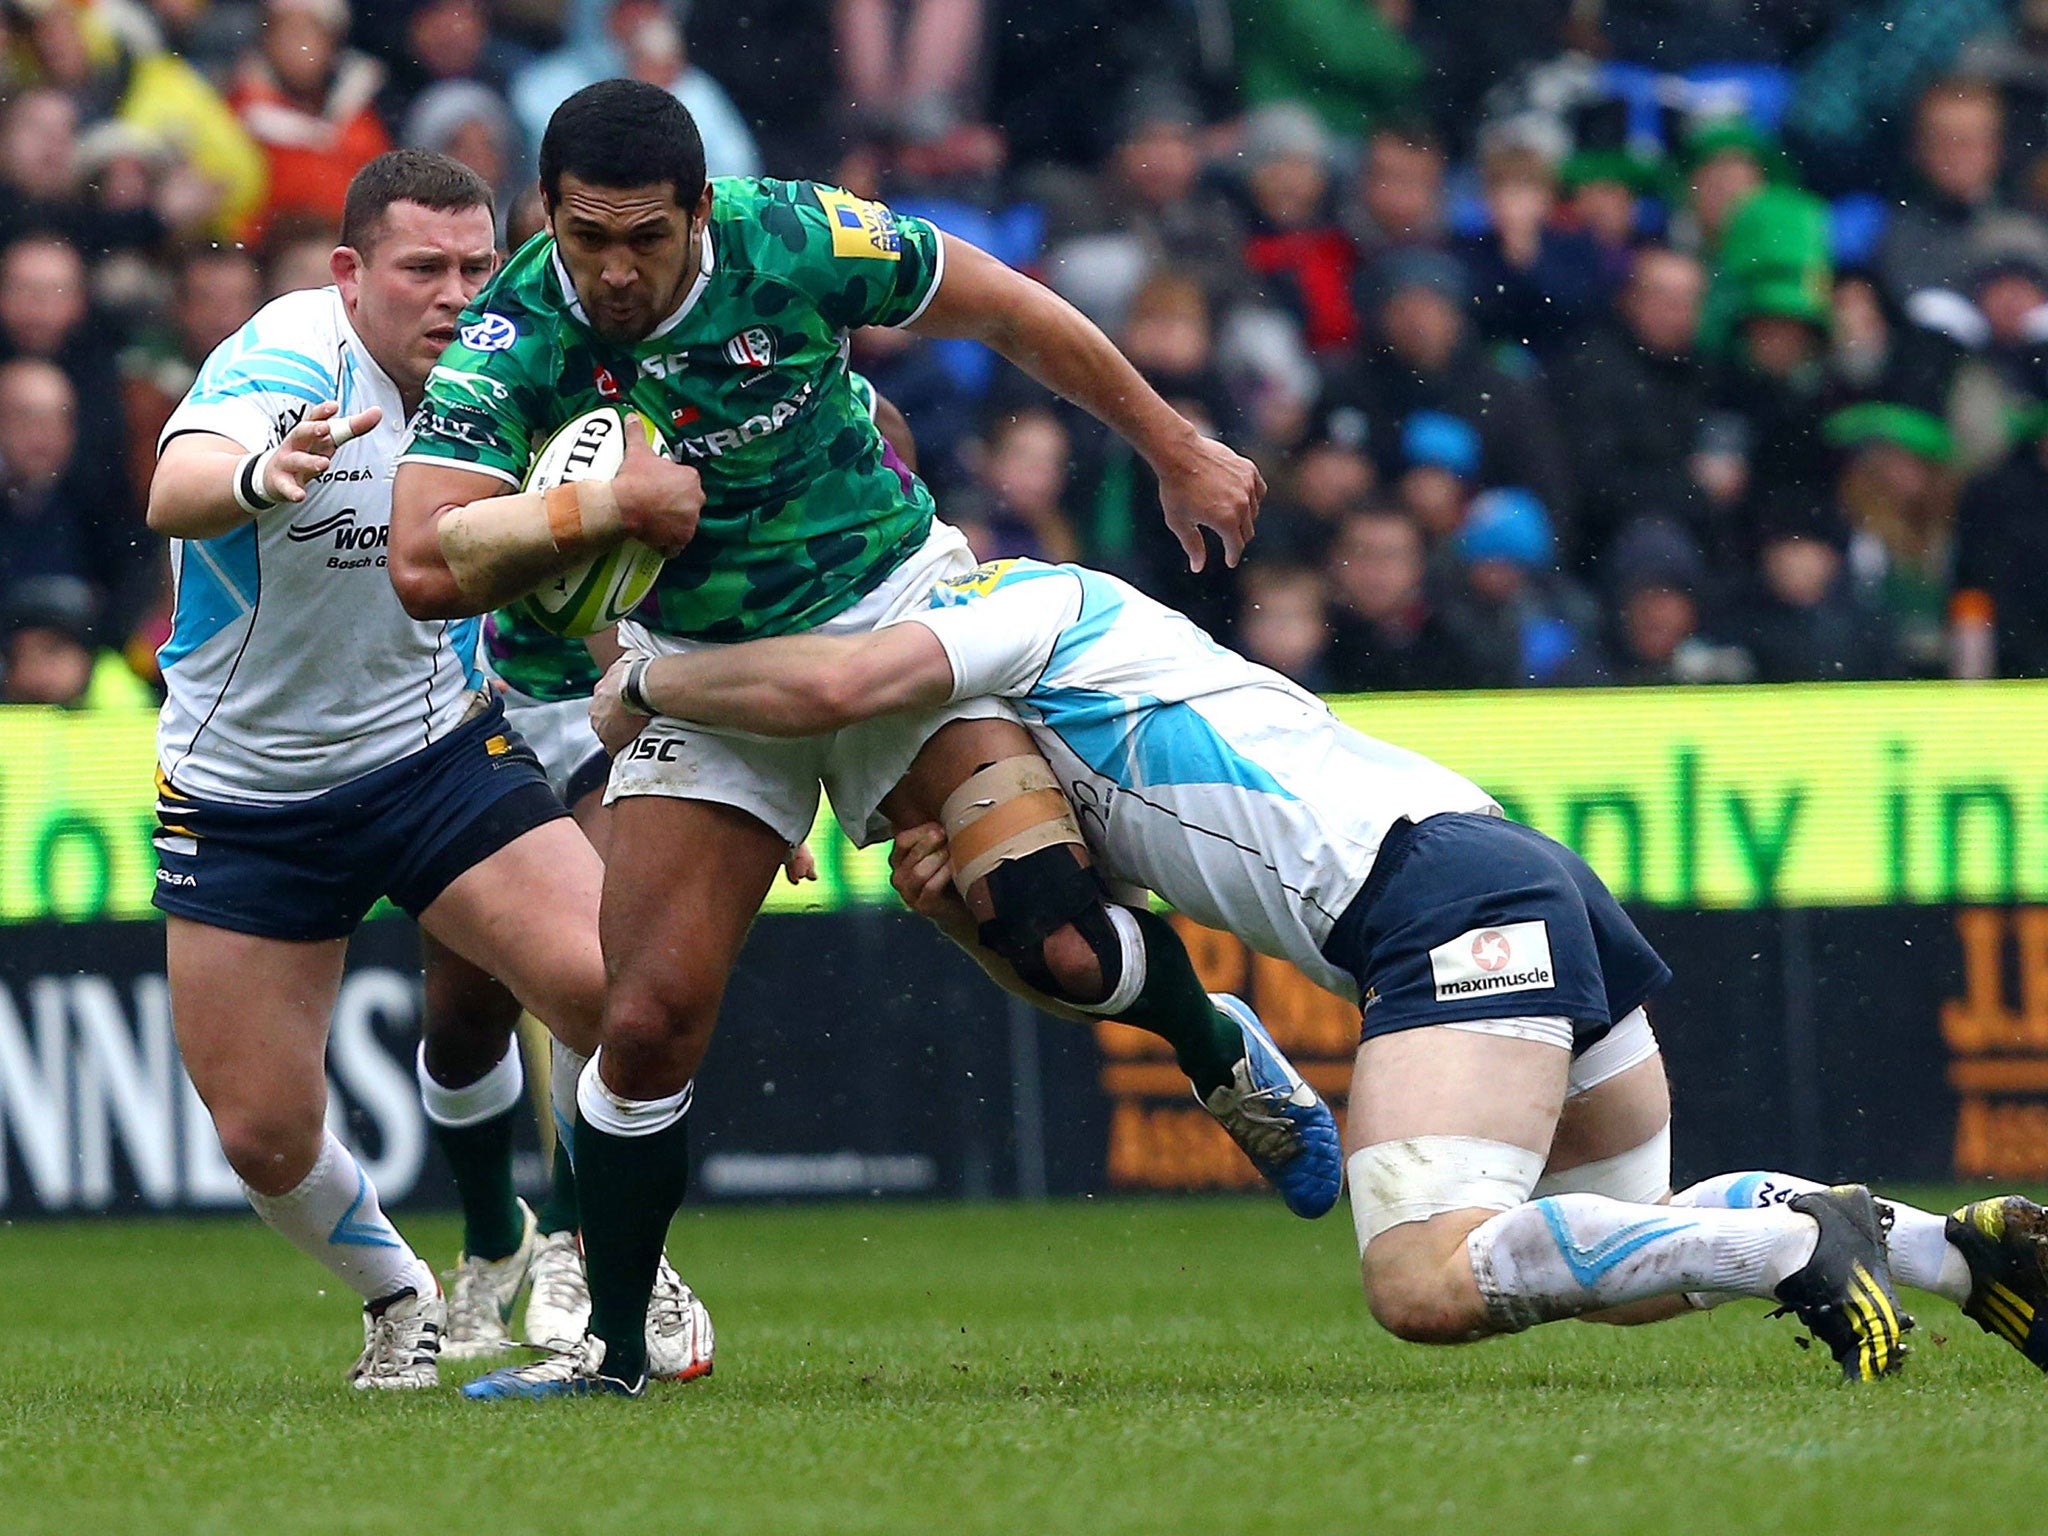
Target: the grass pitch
pixel 1094 1367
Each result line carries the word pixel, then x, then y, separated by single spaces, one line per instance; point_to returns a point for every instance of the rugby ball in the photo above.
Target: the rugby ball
pixel 596 595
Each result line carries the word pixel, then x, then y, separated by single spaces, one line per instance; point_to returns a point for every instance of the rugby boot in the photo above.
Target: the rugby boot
pixel 481 1294
pixel 558 1307
pixel 2004 1240
pixel 401 1344
pixel 1844 1294
pixel 573 1372
pixel 1281 1123
pixel 679 1334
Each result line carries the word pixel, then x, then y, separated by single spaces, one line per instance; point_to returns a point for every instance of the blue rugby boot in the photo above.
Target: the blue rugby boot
pixel 1282 1124
pixel 567 1373
pixel 2005 1243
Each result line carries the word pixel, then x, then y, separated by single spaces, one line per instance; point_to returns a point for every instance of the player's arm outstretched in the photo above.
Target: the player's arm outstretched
pixel 1202 483
pixel 461 544
pixel 793 685
pixel 207 484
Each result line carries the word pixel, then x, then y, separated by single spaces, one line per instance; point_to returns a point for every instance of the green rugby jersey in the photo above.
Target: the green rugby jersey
pixel 804 512
pixel 544 665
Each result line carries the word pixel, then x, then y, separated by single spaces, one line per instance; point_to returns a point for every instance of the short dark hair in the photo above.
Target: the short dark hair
pixel 623 133
pixel 408 176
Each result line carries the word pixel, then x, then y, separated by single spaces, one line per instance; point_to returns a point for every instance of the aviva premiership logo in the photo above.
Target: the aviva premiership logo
pixel 860 228
pixel 752 348
pixel 979 582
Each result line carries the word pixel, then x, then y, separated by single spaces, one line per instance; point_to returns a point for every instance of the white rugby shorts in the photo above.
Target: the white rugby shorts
pixel 777 780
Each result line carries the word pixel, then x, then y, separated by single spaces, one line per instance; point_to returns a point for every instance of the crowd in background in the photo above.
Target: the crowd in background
pixel 1581 341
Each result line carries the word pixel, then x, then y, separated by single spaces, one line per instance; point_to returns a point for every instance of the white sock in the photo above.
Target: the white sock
pixel 1918 1249
pixel 485 1099
pixel 565 1071
pixel 1570 1254
pixel 616 1116
pixel 333 1218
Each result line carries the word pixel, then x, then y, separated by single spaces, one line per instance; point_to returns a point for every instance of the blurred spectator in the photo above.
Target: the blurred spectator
pixel 1047 61
pixel 1440 457
pixel 42 182
pixel 46 528
pixel 1146 207
pixel 1529 623
pixel 909 67
pixel 1536 283
pixel 307 98
pixel 1634 398
pixel 470 123
pixel 1296 245
pixel 48 654
pixel 1329 476
pixel 1726 162
pixel 1957 149
pixel 1350 60
pixel 777 61
pixel 109 59
pixel 1285 621
pixel 210 35
pixel 1428 360
pixel 1900 505
pixel 906 370
pixel 214 290
pixel 2001 549
pixel 448 42
pixel 1805 620
pixel 1400 191
pixel 298 255
pixel 641 39
pixel 45 314
pixel 1386 634
pixel 1604 193
pixel 1020 511
pixel 1657 573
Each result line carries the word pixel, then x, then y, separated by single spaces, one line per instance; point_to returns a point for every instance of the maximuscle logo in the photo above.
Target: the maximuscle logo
pixel 1514 957
pixel 1827 795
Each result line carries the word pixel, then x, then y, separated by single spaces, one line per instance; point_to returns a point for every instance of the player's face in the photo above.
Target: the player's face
pixel 406 292
pixel 629 251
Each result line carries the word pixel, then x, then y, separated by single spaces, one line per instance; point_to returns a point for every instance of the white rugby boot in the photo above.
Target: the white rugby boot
pixel 558 1305
pixel 401 1344
pixel 482 1294
pixel 679 1333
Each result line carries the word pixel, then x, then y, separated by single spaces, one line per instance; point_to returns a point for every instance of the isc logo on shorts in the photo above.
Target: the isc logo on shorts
pixel 1514 957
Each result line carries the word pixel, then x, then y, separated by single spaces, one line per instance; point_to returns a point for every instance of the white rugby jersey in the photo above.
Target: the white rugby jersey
pixel 291 668
pixel 1218 784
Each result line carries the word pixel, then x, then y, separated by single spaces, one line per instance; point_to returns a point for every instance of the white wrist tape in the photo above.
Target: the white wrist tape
pixel 250 492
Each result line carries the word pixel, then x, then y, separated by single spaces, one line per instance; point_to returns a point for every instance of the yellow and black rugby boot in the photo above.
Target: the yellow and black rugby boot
pixel 2005 1243
pixel 1844 1294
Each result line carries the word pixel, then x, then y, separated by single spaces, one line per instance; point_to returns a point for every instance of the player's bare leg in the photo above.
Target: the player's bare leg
pixel 251 1016
pixel 1070 943
pixel 685 880
pixel 1450 1130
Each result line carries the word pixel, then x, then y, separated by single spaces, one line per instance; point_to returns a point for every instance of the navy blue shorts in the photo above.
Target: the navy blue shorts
pixel 311 869
pixel 1467 916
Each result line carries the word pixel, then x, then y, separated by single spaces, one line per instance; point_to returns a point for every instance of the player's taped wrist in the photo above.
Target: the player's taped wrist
pixel 527 530
pixel 251 491
pixel 633 687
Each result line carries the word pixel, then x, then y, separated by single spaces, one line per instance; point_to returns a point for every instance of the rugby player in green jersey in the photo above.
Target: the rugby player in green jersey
pixel 721 311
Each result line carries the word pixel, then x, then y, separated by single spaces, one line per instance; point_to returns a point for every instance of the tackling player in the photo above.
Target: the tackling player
pixel 319 749
pixel 1506 1054
pixel 720 310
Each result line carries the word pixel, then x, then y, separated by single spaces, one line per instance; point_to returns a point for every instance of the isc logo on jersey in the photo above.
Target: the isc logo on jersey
pixel 860 228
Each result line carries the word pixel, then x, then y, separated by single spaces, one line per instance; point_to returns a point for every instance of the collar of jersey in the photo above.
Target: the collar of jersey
pixel 705 264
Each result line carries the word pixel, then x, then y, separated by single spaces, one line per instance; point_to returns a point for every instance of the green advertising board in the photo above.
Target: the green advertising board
pixel 1831 795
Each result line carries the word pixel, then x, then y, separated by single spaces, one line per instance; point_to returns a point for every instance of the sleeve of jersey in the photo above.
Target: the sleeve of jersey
pixel 862 263
pixel 251 391
pixel 475 411
pixel 999 642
